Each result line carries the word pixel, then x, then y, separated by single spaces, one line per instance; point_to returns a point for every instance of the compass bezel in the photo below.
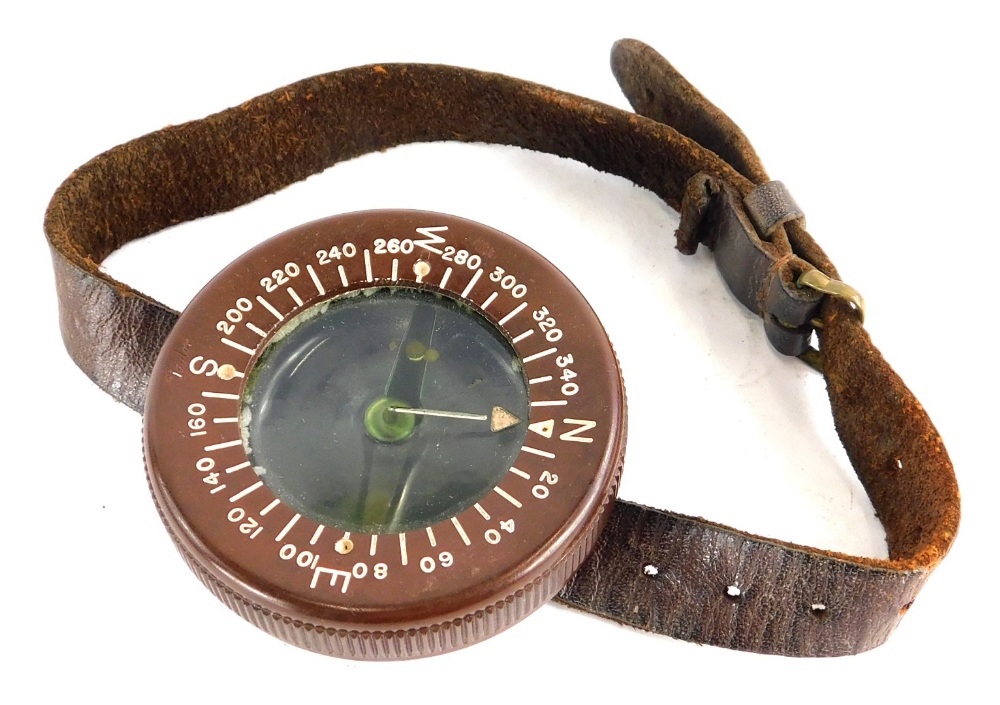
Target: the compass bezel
pixel 234 532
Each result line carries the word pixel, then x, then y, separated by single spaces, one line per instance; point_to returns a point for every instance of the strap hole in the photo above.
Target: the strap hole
pixel 904 608
pixel 733 592
pixel 650 570
pixel 817 609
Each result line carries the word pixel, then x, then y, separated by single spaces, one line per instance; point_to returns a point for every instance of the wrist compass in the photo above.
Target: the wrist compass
pixel 401 430
pixel 391 434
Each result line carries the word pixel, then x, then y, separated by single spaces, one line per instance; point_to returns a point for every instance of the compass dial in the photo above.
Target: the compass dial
pixel 386 434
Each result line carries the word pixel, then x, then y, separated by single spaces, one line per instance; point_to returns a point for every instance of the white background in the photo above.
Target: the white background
pixel 879 120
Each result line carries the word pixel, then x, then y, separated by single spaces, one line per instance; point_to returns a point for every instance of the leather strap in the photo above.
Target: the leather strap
pixel 652 569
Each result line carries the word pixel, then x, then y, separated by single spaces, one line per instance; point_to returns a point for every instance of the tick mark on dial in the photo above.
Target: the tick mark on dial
pixel 507 497
pixel 312 273
pixel 266 304
pixel 243 493
pixel 237 346
pixel 461 531
pixel 472 283
pixel 269 507
pixel 538 355
pixel 288 527
pixel 523 305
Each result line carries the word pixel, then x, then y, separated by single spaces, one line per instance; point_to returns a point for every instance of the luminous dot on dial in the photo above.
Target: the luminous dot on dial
pixel 344 546
pixel 226 372
pixel 421 268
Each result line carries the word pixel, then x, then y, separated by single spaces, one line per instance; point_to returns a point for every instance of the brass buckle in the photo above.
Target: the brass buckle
pixel 815 279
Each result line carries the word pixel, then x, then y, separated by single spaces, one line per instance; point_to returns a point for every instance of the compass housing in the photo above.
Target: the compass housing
pixel 369 589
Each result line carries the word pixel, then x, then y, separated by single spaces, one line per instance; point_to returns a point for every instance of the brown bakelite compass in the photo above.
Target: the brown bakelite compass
pixel 386 434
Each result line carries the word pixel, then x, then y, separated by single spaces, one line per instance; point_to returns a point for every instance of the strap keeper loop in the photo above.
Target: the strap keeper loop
pixel 770 205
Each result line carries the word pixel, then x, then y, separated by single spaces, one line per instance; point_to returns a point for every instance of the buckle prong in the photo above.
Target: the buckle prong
pixel 815 279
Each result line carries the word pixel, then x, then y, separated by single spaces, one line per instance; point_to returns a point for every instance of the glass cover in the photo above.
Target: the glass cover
pixel 385 410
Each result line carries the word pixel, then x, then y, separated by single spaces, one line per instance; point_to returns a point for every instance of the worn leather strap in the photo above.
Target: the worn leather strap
pixel 652 569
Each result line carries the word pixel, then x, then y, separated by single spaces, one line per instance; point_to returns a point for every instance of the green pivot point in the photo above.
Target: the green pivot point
pixel 384 424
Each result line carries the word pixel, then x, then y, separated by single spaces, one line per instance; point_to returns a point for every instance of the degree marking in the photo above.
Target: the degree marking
pixel 482 512
pixel 237 346
pixel 523 335
pixel 295 297
pixel 535 451
pixel 243 493
pixel 507 497
pixel 177 374
pixel 257 531
pixel 368 265
pixel 316 535
pixel 228 419
pixel 539 380
pixel 198 433
pixel 472 283
pixel 503 321
pixel 269 307
pixel 371 550
pixel 461 531
pixel 225 444
pixel 256 330
pixel 520 473
pixel 557 402
pixel 219 395
pixel 269 507
pixel 430 537
pixel 312 274
pixel 288 527
pixel 445 277
pixel 402 548
pixel 242 465
pixel 343 274
pixel 395 269
pixel 489 300
pixel 543 353
pixel 218 489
